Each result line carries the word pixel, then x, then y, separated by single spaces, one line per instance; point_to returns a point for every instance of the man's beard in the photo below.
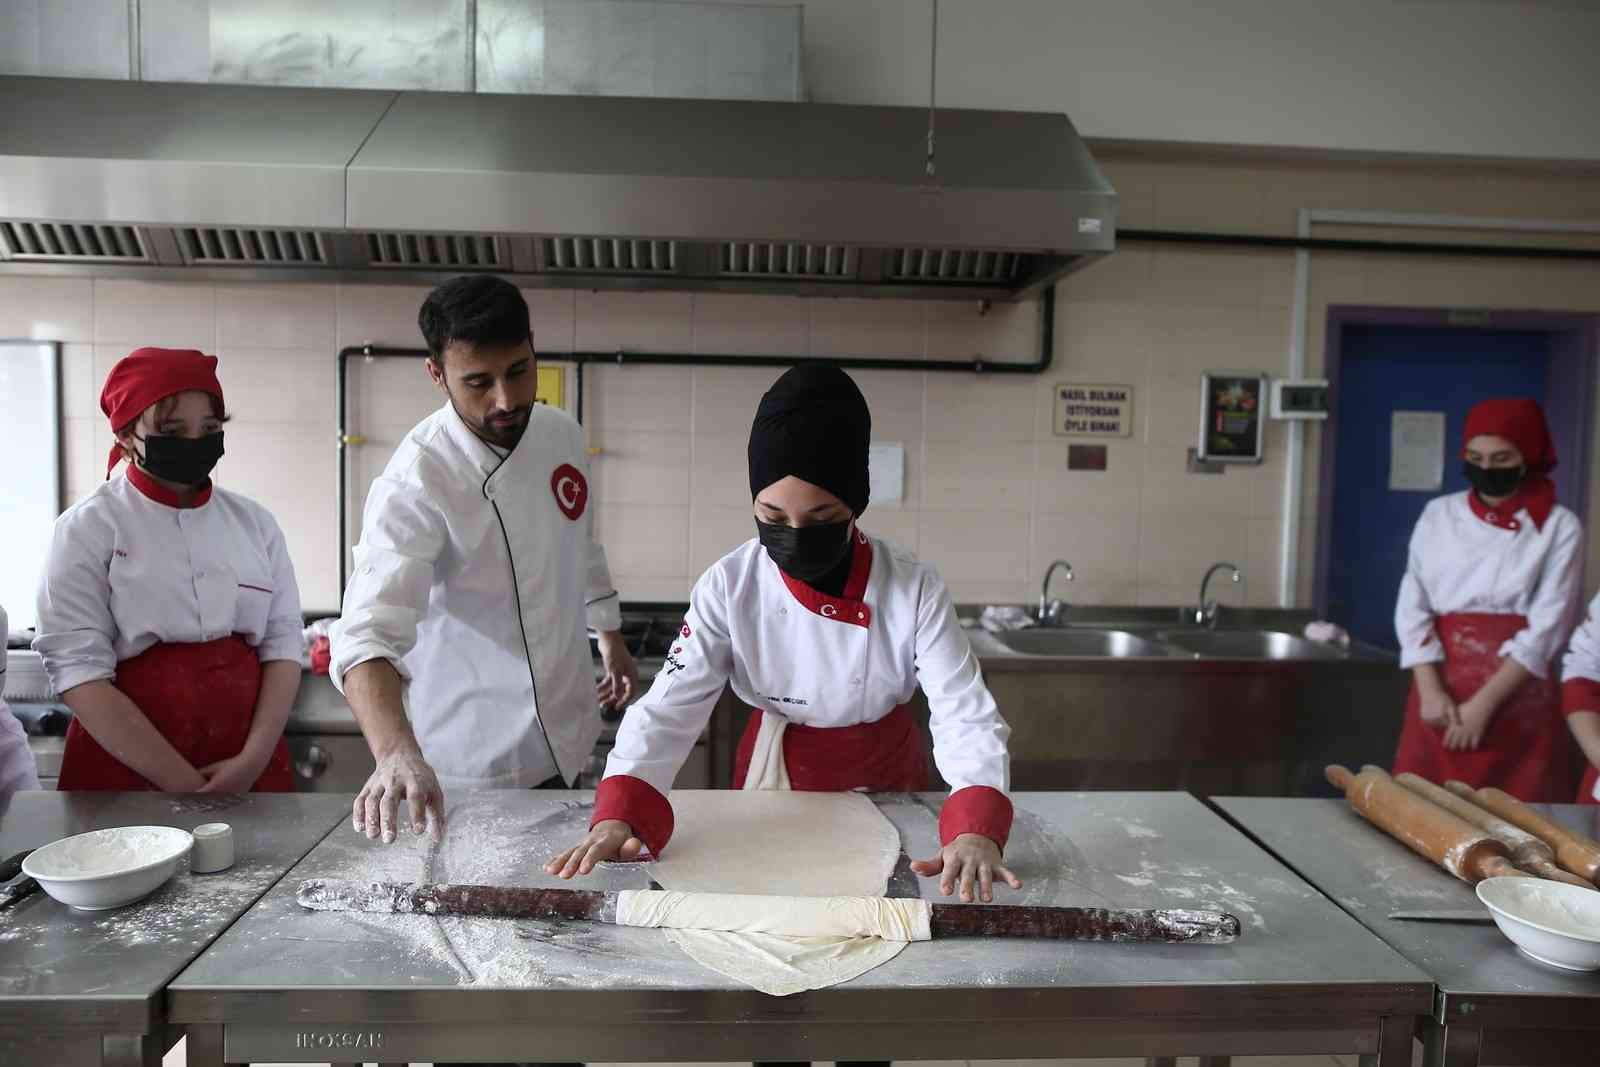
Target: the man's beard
pixel 501 437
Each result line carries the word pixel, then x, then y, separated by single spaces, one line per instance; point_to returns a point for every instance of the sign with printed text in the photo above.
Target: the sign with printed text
pixel 1094 410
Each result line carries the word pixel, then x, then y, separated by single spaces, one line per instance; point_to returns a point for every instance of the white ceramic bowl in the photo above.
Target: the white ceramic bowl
pixel 1551 922
pixel 108 868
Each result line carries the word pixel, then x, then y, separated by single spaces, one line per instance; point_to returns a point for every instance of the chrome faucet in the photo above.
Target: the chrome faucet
pixel 1205 613
pixel 1049 613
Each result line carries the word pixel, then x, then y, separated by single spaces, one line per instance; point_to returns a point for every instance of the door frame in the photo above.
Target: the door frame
pixel 1569 394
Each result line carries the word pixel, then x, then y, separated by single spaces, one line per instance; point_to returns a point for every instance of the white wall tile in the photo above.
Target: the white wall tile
pixel 635 322
pixel 1060 491
pixel 1214 278
pixel 738 324
pixel 554 316
pixel 643 539
pixel 632 399
pixel 640 468
pixel 896 399
pixel 1171 413
pixel 279 385
pixel 275 315
pixel 977 477
pixel 1169 488
pixel 1261 563
pixel 379 315
pixel 1103 338
pixel 1101 547
pixel 899 528
pixel 714 532
pixel 85 444
pixel 997 333
pixel 979 550
pixel 47 309
pixel 971 407
pixel 883 328
pixel 719 471
pixel 726 398
pixel 165 315
pixel 80 390
pixel 1125 275
pixel 386 396
pixel 1175 553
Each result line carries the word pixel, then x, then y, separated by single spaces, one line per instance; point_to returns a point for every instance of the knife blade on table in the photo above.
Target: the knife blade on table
pixel 1443 916
pixel 1175 926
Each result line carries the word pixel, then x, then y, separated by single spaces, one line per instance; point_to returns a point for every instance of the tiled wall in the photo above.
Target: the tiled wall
pixel 988 498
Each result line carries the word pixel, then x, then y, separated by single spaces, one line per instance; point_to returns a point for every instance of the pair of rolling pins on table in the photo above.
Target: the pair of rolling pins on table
pixel 1472 833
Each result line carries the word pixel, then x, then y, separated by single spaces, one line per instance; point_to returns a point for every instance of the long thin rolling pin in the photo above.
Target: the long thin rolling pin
pixel 1527 851
pixel 1575 852
pixel 1425 828
pixel 1175 926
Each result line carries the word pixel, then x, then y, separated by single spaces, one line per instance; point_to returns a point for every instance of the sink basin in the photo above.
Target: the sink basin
pixel 1074 642
pixel 1247 644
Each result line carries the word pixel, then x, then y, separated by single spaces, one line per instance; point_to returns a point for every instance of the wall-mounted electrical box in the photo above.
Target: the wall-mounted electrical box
pixel 1305 399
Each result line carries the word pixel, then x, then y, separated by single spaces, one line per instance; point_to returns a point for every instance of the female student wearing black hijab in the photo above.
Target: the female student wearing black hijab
pixel 825 632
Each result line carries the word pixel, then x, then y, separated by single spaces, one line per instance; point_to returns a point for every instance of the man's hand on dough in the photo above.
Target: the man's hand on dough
pixel 609 839
pixel 969 859
pixel 401 775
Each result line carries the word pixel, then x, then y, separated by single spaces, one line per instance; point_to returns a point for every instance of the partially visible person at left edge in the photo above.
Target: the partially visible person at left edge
pixel 169 617
pixel 17 768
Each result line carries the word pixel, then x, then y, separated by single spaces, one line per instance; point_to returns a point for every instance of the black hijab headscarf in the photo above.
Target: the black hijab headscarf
pixel 814 424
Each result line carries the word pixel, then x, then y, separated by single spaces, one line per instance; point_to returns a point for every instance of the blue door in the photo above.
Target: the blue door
pixel 1384 369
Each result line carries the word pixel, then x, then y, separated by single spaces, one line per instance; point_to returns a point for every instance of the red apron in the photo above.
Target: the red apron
pixel 1586 790
pixel 884 756
pixel 201 697
pixel 1526 750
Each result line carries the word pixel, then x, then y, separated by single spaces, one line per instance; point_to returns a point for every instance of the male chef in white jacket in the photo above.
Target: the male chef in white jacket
pixel 462 646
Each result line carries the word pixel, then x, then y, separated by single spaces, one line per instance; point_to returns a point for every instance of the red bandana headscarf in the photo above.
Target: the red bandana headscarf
pixel 149 375
pixel 1520 421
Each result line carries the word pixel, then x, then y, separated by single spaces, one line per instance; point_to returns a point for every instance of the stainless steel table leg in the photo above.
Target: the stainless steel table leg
pixel 205 1046
pixel 1395 1037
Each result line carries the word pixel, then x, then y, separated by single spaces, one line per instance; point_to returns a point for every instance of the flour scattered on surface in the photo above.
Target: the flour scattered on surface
pixel 1140 830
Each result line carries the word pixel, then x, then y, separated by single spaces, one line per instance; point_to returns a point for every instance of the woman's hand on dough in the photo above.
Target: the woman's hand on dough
pixel 969 859
pixel 608 839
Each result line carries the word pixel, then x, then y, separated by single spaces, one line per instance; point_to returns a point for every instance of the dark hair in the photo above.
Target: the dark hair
pixel 475 309
pixel 165 406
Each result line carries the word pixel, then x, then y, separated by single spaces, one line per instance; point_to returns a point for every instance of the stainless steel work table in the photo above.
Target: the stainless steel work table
pixel 1493 1005
pixel 88 987
pixel 288 985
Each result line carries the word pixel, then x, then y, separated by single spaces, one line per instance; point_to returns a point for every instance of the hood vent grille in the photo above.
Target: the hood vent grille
pixel 955 265
pixel 445 251
pixel 792 260
pixel 233 247
pixel 56 242
pixel 603 255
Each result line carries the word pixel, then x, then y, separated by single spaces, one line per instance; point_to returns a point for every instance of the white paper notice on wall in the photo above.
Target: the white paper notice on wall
pixel 886 472
pixel 1416 451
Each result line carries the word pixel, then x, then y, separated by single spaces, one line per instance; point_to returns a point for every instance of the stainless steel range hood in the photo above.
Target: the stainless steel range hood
pixel 566 191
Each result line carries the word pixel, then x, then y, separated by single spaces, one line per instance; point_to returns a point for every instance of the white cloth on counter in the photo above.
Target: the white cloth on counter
pixel 472 579
pixel 1327 633
pixel 1459 563
pixel 999 620
pixel 125 571
pixel 804 917
pixel 814 667
pixel 17 767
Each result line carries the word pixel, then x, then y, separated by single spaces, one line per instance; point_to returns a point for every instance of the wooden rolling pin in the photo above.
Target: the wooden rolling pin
pixel 1175 926
pixel 1575 852
pixel 1425 828
pixel 1527 851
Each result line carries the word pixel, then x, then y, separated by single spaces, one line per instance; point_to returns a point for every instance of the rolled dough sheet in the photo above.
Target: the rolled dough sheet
pixel 780 844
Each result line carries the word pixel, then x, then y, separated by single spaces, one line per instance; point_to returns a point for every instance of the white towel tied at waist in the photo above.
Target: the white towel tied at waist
pixel 767 769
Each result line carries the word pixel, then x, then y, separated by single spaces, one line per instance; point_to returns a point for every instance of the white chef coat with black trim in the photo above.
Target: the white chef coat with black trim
pixel 128 568
pixel 475 576
pixel 1461 564
pixel 824 663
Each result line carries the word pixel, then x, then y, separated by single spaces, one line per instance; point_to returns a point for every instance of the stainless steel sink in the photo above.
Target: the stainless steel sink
pixel 1071 641
pixel 1247 644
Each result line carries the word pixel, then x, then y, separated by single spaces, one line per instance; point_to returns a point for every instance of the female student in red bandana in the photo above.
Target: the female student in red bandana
pixel 1487 602
pixel 169 617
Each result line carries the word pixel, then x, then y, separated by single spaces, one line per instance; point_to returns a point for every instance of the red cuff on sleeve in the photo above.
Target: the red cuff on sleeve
pixel 977 809
pixel 637 803
pixel 1580 694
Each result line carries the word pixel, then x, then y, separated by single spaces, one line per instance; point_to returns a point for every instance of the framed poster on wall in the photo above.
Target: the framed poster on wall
pixel 1232 416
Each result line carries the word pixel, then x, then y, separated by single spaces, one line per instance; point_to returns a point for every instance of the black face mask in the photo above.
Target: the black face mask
pixel 181 460
pixel 805 552
pixel 1494 481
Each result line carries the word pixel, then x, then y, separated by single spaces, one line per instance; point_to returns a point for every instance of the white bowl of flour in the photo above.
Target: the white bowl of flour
pixel 108 868
pixel 1551 922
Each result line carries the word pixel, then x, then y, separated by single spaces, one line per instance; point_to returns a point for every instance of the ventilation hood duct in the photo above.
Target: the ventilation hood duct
pixel 149 179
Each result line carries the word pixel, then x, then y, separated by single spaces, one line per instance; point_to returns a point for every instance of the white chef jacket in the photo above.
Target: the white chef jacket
pixel 17 767
pixel 815 665
pixel 1460 563
pixel 475 575
pixel 127 568
pixel 1583 654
